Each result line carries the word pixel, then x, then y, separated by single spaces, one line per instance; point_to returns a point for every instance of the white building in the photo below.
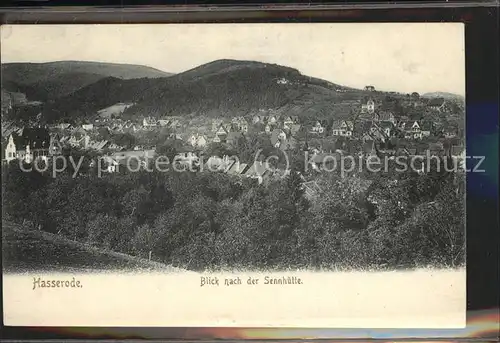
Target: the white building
pixel 29 144
pixel 368 107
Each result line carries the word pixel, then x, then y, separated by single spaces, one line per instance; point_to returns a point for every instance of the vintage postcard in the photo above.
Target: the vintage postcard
pixel 234 175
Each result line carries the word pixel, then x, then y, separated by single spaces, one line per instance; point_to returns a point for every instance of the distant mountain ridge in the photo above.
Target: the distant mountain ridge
pixel 219 88
pixel 444 95
pixel 51 80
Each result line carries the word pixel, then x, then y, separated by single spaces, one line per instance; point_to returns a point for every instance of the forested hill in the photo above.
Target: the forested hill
pixel 219 88
pixel 51 80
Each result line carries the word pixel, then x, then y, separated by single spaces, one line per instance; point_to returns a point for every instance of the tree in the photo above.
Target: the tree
pixel 21 190
pixel 342 203
pixel 218 149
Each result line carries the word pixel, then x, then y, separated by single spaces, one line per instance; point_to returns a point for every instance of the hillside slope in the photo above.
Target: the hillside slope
pixel 46 81
pixel 220 88
pixel 27 250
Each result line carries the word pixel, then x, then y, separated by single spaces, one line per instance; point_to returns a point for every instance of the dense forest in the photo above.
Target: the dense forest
pixel 223 88
pixel 210 220
pixel 51 80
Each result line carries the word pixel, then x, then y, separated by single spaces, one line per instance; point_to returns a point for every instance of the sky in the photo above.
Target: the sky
pixel 401 57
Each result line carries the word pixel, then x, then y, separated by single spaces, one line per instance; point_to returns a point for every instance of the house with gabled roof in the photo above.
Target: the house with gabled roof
pixel 198 140
pixel 149 122
pixel 367 137
pixel 413 130
pixel 272 119
pixel 386 116
pixel 319 127
pixel 79 139
pixel 220 138
pixel 277 136
pixel 289 121
pixel 216 123
pixel 55 146
pixel 368 106
pixel 373 127
pixel 343 128
pixel 243 125
pixel 221 133
pixel 376 134
pixel 28 144
pixel 240 124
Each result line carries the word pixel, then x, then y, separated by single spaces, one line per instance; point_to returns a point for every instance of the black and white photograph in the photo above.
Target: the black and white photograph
pixel 234 174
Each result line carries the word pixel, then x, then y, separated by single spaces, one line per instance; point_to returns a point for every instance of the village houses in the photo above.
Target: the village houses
pixel 289 122
pixel 369 134
pixel 318 127
pixel 221 133
pixel 386 116
pixel 149 122
pixel 343 128
pixel 198 140
pixel 240 124
pixel 277 136
pixel 368 106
